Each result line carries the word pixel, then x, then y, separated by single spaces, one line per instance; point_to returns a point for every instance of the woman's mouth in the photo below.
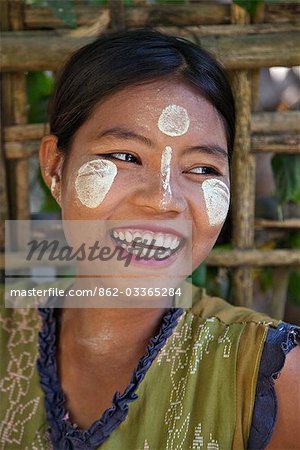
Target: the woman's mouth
pixel 146 244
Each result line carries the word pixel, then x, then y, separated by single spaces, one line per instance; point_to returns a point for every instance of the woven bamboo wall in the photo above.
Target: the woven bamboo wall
pixel 34 39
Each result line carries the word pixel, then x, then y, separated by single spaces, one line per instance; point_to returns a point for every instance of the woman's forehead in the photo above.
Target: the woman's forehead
pixel 142 106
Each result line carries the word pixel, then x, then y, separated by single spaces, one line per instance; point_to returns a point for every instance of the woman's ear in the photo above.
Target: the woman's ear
pixel 51 161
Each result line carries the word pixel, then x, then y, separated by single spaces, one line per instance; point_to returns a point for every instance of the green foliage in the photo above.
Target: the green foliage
pixel 199 276
pixel 265 277
pixel 39 88
pixel 98 2
pixel 294 240
pixel 249 5
pixel 216 281
pixel 291 240
pixel 63 9
pixel 286 170
pixel 294 287
pixel 105 2
pixel 170 2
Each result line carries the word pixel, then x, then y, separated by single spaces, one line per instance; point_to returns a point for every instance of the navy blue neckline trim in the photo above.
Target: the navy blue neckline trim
pixel 62 433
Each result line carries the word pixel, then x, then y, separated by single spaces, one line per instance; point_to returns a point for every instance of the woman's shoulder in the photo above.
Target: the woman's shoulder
pixel 286 432
pixel 276 412
pixel 207 306
pixel 278 362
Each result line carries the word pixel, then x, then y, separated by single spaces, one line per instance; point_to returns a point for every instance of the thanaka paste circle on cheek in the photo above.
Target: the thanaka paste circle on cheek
pixel 174 121
pixel 217 199
pixel 94 180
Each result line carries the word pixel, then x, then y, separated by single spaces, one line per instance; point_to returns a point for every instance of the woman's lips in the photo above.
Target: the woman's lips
pixel 148 249
pixel 138 238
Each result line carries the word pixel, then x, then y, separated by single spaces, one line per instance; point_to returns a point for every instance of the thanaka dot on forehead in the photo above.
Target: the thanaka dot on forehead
pixel 174 121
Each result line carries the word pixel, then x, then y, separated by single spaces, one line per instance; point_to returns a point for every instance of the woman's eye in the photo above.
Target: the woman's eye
pixel 203 170
pixel 128 157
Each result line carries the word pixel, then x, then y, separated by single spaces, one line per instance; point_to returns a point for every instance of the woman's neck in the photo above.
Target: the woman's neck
pixel 105 332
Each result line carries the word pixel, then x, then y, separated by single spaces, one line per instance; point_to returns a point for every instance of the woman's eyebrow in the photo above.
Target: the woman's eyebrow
pixel 210 149
pixel 123 133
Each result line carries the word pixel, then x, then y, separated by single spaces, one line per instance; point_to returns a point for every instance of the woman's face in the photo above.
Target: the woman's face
pixel 150 153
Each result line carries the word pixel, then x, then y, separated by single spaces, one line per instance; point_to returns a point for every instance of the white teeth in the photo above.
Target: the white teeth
pixel 148 237
pixel 133 251
pixel 151 253
pixel 174 244
pixel 161 255
pixel 167 242
pixel 144 252
pixel 133 237
pixel 159 240
pixel 128 236
pixel 137 235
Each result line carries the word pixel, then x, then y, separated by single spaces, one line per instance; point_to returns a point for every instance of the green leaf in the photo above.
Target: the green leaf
pixel 294 287
pixel 280 1
pixel 265 277
pixel 63 9
pixel 98 2
pixel 199 276
pixel 286 171
pixel 292 240
pixel 39 88
pixel 249 5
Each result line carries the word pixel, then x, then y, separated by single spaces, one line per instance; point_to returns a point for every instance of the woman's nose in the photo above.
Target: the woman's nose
pixel 161 194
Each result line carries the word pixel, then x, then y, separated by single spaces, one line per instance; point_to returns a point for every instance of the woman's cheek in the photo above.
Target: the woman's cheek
pixel 210 213
pixel 217 199
pixel 93 182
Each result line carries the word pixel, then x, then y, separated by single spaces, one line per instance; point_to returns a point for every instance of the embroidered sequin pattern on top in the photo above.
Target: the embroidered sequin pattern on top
pixel 184 353
pixel 22 329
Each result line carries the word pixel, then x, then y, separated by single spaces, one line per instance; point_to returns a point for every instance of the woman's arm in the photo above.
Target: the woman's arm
pixel 286 435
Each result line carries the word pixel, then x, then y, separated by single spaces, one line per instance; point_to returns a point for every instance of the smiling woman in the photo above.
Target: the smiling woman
pixel 141 137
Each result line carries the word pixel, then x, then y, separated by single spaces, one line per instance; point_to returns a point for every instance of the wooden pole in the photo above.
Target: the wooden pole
pixel 4 82
pixel 257 258
pixel 217 258
pixel 249 51
pixel 262 124
pixel 202 13
pixel 281 276
pixel 117 15
pixel 18 98
pixel 277 143
pixel 243 177
pixel 255 76
pixel 269 122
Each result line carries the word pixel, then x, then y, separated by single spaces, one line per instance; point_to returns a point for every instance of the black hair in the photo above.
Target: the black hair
pixel 117 60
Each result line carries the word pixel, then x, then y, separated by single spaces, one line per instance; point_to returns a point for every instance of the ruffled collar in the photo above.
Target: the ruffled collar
pixel 63 434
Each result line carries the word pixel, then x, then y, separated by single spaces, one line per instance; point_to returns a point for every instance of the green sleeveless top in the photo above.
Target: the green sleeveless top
pixel 198 393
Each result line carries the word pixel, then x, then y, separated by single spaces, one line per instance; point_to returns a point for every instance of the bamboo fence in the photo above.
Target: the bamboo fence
pixel 35 39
